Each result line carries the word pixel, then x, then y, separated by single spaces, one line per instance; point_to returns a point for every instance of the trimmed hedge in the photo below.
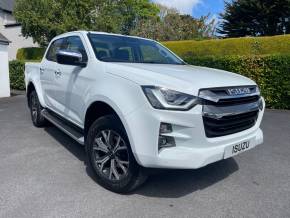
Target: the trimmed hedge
pixel 32 53
pixel 16 71
pixel 235 46
pixel 271 72
pixel 215 47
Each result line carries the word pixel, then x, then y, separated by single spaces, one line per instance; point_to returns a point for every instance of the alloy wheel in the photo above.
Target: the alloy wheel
pixel 34 107
pixel 110 155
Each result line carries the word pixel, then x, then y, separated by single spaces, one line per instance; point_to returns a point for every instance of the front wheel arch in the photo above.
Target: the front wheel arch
pixel 135 175
pixel 98 109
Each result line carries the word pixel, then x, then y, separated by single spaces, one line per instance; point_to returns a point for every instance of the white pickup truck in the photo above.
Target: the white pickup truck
pixel 134 105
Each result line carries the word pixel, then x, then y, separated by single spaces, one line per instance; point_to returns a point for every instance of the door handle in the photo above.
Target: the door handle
pixel 57 73
pixel 41 71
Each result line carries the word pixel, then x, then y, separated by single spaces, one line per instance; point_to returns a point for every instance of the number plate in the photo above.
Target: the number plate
pixel 236 149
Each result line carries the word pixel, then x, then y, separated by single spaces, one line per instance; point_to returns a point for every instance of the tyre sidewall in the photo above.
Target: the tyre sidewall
pixel 40 120
pixel 113 123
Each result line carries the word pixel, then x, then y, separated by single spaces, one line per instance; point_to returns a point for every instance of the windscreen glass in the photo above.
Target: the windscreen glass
pixel 112 48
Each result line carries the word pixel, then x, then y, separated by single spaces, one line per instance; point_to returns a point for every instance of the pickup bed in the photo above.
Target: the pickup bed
pixel 134 104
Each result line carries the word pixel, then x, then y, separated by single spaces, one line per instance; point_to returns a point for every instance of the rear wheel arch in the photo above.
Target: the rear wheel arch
pixel 29 90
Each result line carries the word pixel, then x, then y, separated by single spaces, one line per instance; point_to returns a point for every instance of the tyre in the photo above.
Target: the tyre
pixel 110 156
pixel 35 110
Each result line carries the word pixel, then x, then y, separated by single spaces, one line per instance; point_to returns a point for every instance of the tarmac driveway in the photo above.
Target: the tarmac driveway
pixel 43 174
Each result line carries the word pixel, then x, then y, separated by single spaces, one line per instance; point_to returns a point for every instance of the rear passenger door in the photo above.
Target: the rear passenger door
pixel 48 74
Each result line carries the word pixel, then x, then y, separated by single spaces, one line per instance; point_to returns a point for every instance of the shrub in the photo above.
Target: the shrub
pixel 271 72
pixel 235 46
pixel 16 71
pixel 31 53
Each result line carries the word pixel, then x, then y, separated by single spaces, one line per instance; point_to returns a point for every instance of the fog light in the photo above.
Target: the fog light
pixel 162 141
pixel 165 128
pixel 166 142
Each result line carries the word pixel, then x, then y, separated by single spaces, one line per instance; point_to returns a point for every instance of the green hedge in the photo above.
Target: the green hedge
pixel 16 71
pixel 235 46
pixel 217 47
pixel 271 72
pixel 31 53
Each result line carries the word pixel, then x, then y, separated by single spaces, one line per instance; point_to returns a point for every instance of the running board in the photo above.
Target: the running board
pixel 67 129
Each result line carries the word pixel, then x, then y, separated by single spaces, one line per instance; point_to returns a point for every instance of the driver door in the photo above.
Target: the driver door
pixel 71 82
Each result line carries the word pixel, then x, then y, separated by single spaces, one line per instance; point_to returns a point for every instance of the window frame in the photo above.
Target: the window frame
pixel 50 46
pixel 86 53
pixel 64 43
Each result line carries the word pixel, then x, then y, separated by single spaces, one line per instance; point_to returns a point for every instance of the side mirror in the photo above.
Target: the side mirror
pixel 70 58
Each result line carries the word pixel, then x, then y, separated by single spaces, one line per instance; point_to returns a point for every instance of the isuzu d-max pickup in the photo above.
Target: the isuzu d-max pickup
pixel 134 104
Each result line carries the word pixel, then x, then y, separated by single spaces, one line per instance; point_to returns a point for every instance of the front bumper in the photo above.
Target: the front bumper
pixel 193 149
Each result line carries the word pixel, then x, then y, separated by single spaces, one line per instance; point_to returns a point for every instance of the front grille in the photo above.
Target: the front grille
pixel 229 124
pixel 224 114
pixel 236 101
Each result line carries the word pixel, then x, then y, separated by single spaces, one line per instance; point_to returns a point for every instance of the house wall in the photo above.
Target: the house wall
pixel 4 72
pixel 14 35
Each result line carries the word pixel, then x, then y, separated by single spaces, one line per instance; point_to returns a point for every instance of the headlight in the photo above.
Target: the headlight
pixel 162 98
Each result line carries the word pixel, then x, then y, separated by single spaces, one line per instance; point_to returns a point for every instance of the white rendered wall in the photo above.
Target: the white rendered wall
pixel 13 34
pixel 4 72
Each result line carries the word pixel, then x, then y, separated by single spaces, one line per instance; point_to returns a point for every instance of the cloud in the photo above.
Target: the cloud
pixel 183 6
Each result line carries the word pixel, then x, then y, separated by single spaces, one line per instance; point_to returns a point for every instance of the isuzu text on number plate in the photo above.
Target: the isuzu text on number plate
pixel 236 149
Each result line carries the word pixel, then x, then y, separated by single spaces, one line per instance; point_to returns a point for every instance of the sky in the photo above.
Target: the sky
pixel 196 8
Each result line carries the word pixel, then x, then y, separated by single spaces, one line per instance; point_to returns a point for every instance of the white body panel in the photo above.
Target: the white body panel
pixel 119 85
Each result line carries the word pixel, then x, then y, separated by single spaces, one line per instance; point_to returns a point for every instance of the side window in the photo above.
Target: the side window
pixel 74 43
pixel 54 48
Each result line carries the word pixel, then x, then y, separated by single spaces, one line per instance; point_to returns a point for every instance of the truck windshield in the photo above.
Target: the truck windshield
pixel 113 48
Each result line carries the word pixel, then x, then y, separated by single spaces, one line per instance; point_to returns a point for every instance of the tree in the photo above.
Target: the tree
pixel 174 26
pixel 44 19
pixel 255 18
pixel 132 11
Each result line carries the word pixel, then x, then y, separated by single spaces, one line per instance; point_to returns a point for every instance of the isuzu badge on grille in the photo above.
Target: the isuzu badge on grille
pixel 238 91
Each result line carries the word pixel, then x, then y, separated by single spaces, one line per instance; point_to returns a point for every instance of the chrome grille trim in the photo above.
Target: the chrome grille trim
pixel 224 114
pixel 215 112
pixel 217 94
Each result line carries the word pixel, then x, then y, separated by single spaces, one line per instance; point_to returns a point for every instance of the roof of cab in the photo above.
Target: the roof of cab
pixel 103 33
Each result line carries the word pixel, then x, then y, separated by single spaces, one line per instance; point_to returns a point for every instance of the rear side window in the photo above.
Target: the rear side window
pixel 74 43
pixel 54 48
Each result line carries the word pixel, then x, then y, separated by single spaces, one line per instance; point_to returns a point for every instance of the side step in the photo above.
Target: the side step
pixel 64 126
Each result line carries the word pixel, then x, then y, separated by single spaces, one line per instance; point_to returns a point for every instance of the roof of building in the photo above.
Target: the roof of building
pixel 7 5
pixel 4 40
